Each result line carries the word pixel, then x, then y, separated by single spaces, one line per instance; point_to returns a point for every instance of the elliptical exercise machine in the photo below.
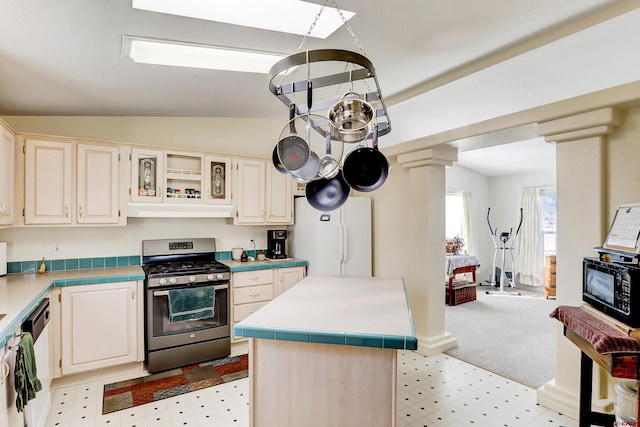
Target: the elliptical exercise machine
pixel 503 243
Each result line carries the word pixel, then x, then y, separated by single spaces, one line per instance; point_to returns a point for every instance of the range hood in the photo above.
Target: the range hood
pixel 178 210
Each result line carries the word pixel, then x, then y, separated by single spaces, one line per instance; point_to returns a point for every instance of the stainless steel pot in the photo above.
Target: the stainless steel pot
pixel 352 117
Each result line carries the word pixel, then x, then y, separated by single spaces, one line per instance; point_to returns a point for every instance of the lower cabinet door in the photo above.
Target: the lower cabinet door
pixel 99 326
pixel 287 277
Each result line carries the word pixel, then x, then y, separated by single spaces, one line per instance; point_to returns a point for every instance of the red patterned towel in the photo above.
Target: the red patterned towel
pixel 605 339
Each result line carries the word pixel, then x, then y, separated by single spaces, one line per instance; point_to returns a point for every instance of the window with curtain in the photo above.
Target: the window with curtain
pixel 538 234
pixel 460 219
pixel 454 215
pixel 549 221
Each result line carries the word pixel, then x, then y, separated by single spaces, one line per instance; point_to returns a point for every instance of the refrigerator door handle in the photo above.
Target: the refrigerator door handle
pixel 342 243
pixel 345 245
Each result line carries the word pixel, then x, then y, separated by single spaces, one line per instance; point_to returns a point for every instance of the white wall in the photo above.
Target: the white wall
pixel 504 195
pixel 32 243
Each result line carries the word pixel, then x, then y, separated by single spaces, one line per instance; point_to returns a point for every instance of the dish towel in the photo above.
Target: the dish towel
pixel 26 373
pixel 191 304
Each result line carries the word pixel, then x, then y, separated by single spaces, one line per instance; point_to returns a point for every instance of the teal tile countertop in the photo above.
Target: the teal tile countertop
pixel 356 311
pixel 237 266
pixel 20 294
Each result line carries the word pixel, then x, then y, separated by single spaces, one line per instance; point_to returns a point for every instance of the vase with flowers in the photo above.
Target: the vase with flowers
pixel 454 245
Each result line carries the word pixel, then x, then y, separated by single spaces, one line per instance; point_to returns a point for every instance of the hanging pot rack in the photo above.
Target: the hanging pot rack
pixel 348 118
pixel 285 91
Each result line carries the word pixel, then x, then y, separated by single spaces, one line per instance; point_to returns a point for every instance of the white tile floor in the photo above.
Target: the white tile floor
pixel 434 391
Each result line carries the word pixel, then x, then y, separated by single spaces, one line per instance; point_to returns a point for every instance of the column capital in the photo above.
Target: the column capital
pixel 596 123
pixel 443 155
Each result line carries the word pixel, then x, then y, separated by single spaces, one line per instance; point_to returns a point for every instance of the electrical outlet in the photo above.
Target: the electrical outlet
pixel 56 249
pixel 252 240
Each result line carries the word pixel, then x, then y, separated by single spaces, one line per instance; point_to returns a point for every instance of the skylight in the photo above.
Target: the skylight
pixel 181 54
pixel 289 16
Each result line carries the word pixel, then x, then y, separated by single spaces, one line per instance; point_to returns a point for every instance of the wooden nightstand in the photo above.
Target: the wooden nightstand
pixel 549 276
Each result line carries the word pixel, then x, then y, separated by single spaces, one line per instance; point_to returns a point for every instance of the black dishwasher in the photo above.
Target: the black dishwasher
pixel 37 321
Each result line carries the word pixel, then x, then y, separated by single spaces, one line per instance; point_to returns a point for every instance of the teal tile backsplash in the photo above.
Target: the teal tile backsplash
pixel 19 267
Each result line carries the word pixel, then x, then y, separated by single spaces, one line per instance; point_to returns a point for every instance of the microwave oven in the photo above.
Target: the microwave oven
pixel 612 288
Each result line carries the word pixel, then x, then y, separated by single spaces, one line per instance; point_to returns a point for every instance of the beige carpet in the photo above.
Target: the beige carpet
pixel 510 335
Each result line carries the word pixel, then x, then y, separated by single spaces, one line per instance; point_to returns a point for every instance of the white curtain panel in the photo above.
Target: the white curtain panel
pixel 469 227
pixel 529 263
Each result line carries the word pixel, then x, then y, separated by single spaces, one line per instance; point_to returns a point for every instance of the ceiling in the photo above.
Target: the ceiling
pixel 441 64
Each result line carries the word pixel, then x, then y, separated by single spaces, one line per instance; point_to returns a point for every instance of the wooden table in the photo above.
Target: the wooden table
pixel 459 264
pixel 621 360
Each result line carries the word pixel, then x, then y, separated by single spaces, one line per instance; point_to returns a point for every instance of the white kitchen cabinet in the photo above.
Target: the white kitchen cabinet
pixel 217 180
pixel 254 289
pixel 250 201
pixel 99 325
pixel 251 290
pixel 264 196
pixel 287 277
pixel 48 174
pixel 279 197
pixel 98 179
pixel 7 143
pixel 179 177
pixel 50 169
pixel 147 175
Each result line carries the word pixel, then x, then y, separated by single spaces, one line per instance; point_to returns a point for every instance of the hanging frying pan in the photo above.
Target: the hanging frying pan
pixel 327 194
pixel 366 169
pixel 275 159
pixel 292 150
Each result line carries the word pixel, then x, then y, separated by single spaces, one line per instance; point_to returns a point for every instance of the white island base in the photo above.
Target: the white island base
pixel 313 385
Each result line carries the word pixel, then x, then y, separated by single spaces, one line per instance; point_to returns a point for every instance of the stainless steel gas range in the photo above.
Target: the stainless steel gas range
pixel 186 303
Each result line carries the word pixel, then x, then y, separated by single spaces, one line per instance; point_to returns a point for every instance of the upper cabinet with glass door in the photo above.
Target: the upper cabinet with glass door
pixel 180 177
pixel 217 180
pixel 147 175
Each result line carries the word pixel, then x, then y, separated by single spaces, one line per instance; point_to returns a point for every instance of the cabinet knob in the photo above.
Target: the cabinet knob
pixel 80 211
pixel 66 211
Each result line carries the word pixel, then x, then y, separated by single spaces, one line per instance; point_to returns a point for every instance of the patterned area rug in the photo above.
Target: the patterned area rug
pixel 126 394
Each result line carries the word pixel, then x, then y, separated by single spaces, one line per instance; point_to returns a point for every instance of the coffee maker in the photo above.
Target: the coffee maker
pixel 276 244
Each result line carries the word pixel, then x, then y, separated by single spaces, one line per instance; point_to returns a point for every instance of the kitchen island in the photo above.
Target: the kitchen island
pixel 324 353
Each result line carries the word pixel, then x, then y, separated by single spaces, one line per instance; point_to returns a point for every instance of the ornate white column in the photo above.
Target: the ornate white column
pixel 425 282
pixel 581 161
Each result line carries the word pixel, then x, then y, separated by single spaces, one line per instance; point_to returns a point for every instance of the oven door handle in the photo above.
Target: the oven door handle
pixel 166 293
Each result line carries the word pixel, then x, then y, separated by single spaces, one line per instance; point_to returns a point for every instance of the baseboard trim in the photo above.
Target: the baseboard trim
pixel 559 399
pixel 241 347
pixel 111 374
pixel 430 346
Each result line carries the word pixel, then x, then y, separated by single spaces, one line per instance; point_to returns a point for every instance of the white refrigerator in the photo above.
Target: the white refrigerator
pixel 335 243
